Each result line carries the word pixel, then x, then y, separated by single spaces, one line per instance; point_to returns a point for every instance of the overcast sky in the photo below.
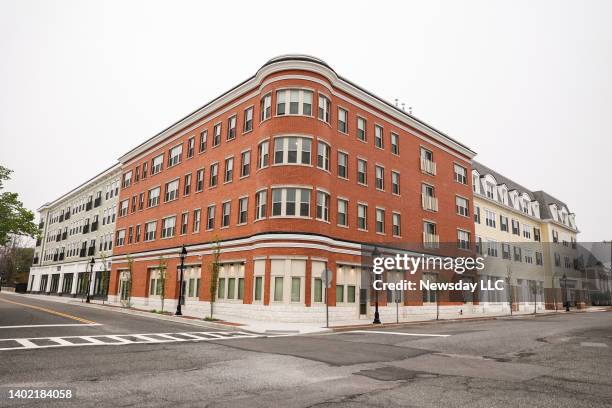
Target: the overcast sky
pixel 526 84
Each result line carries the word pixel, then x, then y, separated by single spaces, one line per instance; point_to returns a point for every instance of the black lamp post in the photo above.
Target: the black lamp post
pixel 567 305
pixel 91 265
pixel 375 254
pixel 182 254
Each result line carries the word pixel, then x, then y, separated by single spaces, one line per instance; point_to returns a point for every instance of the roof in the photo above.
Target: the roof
pixel 512 185
pixel 185 121
pixel 545 200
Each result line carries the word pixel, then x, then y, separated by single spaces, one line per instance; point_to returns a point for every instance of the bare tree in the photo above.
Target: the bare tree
pixel 105 276
pixel 130 262
pixel 214 274
pixel 535 289
pixel 509 291
pixel 162 281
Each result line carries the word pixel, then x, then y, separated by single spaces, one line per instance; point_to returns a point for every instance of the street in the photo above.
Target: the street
pixel 112 359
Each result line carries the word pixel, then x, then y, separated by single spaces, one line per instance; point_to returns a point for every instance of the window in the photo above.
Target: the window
pixel 397 224
pixel 263 154
pixel 294 102
pixel 516 228
pixel 203 140
pixel 248 120
pixel 342 120
pixel 221 289
pixel 536 234
pixel 214 174
pixel 175 155
pixel 292 150
pixel 428 197
pixel 380 177
pixel 157 164
pixel 557 260
pixel 210 217
pixel 190 147
pixel 463 239
pixel 127 179
pixel 342 217
pixel 136 179
pixel 362 216
pixel 144 170
pixel 290 202
pixel 184 223
pixel 243 210
pixel 216 135
pixel 505 251
pixel 150 228
pixel 394 143
pixel 503 223
pixel 187 186
pixel 427 164
pixel 260 204
pixel 395 182
pixel 518 257
pixel 295 289
pixel 461 206
pixel 266 107
pixel 141 200
pixel 490 218
pixel 199 180
pixel 538 258
pixel 492 248
pixel 322 206
pixel 489 188
pixel 362 172
pixel 120 239
pixel 245 163
pixel 226 209
pixel 380 220
pixel 278 288
pixel 231 128
pixel 323 152
pixel 477 214
pixel 378 136
pixel 172 190
pixel 168 227
pixel 229 170
pixel 197 217
pixel 361 129
pixel 430 234
pixel 527 231
pixel 123 208
pixel 154 197
pixel 258 288
pixel 342 165
pixel 460 174
pixel 478 245
pixel 137 233
pixel 324 108
pixel 318 290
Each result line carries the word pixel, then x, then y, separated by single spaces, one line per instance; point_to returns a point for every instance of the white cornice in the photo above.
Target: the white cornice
pixel 302 65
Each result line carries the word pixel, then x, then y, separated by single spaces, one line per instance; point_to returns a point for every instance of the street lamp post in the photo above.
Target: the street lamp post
pixel 376 254
pixel 182 254
pixel 566 303
pixel 91 265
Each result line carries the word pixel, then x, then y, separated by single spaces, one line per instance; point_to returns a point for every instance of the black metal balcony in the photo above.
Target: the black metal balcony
pixel 97 202
pixel 64 235
pixel 58 237
pixel 35 260
pixel 85 228
pixel 61 218
pixel 83 253
pixel 94 226
pixel 61 256
pixel 89 205
pixel 55 257
pixel 67 216
pixel 91 250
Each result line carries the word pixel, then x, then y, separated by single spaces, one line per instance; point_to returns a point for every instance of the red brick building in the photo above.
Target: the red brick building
pixel 289 172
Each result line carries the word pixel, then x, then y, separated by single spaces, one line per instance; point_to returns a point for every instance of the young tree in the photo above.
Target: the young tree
pixel 14 218
pixel 214 275
pixel 162 281
pixel 105 276
pixel 130 267
pixel 535 289
pixel 509 289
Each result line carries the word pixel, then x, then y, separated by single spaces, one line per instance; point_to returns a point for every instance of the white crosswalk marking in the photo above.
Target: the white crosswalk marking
pixel 122 339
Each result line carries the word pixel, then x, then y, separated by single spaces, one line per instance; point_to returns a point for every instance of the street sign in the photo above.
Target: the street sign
pixel 326 277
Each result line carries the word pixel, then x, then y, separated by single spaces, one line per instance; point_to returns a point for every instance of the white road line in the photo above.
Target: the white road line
pixel 398 333
pixel 98 340
pixel 25 343
pixel 27 326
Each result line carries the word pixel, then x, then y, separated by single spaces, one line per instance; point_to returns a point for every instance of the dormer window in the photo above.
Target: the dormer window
pixel 489 189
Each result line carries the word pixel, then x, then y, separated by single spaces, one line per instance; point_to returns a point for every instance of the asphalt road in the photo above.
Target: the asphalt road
pixel 552 361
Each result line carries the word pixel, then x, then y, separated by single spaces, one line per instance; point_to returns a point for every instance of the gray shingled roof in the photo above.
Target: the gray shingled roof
pixel 545 200
pixel 482 169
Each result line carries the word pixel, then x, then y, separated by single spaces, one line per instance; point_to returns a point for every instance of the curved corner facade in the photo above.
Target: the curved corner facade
pixel 288 173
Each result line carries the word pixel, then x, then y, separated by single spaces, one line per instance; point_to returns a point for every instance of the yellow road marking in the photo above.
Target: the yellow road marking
pixel 53 312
